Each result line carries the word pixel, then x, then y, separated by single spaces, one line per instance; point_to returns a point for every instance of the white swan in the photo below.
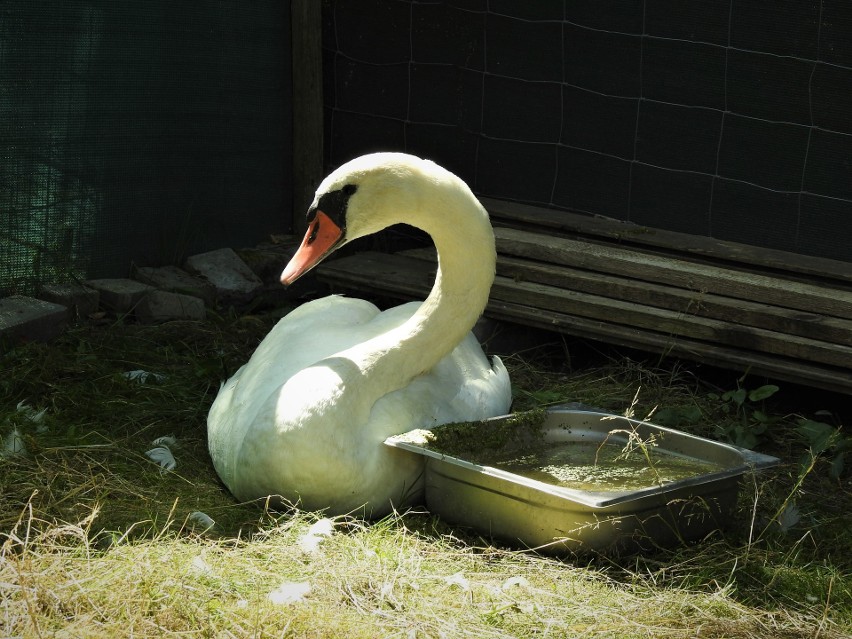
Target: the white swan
pixel 305 418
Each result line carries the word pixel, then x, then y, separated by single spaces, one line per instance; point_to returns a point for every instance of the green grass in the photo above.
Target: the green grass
pixel 97 540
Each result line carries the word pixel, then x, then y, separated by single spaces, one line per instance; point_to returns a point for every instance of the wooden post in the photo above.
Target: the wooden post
pixel 306 28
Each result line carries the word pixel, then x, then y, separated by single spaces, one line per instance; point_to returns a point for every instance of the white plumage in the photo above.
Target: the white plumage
pixel 305 418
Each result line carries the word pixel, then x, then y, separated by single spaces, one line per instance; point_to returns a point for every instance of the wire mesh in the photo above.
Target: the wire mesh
pixel 138 132
pixel 731 120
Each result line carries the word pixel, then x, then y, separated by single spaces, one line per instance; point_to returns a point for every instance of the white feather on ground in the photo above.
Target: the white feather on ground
pixel 289 592
pixel 319 531
pixel 162 456
pixel 13 444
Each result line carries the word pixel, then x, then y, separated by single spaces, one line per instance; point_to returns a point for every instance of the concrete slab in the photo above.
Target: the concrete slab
pixel 81 301
pixel 176 280
pixel 235 282
pixel 29 319
pixel 119 295
pixel 164 306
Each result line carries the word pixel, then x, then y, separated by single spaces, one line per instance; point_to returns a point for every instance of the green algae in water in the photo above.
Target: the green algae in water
pixel 517 445
pixel 596 467
pixel 462 439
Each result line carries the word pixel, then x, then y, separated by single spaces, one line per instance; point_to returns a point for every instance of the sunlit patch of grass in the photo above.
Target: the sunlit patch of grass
pixel 97 540
pixel 366 580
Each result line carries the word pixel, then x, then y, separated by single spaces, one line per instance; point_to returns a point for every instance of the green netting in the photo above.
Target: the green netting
pixel 138 132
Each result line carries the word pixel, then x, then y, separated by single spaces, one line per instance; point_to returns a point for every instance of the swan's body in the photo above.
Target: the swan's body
pixel 305 418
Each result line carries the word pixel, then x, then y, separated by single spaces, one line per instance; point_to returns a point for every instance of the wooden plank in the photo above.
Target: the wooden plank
pixel 307 152
pixel 407 281
pixel 839 381
pixel 673 272
pixel 772 318
pixel 690 303
pixel 409 275
pixel 669 322
pixel 531 217
pixel 380 273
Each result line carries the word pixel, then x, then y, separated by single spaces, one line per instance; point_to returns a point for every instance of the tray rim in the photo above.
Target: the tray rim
pixel 751 462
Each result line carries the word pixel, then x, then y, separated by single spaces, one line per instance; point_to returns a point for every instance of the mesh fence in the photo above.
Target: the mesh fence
pixel 725 119
pixel 138 132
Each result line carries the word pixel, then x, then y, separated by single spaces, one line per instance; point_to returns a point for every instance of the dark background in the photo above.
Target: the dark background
pixel 139 131
pixel 730 120
pixel 143 131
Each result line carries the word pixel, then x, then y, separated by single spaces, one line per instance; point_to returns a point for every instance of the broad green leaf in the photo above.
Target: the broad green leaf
pixel 738 396
pixel 761 417
pixel 818 434
pixel 763 392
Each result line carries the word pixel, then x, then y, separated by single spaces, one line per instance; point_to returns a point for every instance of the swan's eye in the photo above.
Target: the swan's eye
pixel 314 232
pixel 349 189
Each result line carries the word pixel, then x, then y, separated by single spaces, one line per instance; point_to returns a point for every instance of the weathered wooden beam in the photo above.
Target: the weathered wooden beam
pixel 692 303
pixel 306 46
pixel 668 322
pixel 798 372
pixel 414 277
pixel 406 278
pixel 685 245
pixel 715 302
pixel 673 272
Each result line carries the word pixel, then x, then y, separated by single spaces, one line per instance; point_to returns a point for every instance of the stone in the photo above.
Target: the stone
pixel 164 306
pixel 267 261
pixel 119 295
pixel 176 280
pixel 29 319
pixel 235 282
pixel 81 301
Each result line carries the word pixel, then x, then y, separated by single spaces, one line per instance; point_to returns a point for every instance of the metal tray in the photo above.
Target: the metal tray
pixel 558 519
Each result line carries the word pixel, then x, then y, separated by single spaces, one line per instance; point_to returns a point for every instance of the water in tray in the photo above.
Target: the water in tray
pixel 597 467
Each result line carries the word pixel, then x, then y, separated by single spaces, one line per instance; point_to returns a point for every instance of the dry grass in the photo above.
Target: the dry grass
pixel 98 541
pixel 364 581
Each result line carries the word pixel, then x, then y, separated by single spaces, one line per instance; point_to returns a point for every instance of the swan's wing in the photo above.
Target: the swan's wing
pixel 314 331
pixel 310 333
pixel 306 335
pixel 464 386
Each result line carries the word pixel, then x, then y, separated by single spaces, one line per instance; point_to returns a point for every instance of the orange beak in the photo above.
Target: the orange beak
pixel 322 238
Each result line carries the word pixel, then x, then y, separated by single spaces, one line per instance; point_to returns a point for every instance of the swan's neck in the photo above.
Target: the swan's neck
pixel 466 260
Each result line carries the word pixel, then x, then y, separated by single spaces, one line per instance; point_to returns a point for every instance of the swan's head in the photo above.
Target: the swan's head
pixel 362 197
